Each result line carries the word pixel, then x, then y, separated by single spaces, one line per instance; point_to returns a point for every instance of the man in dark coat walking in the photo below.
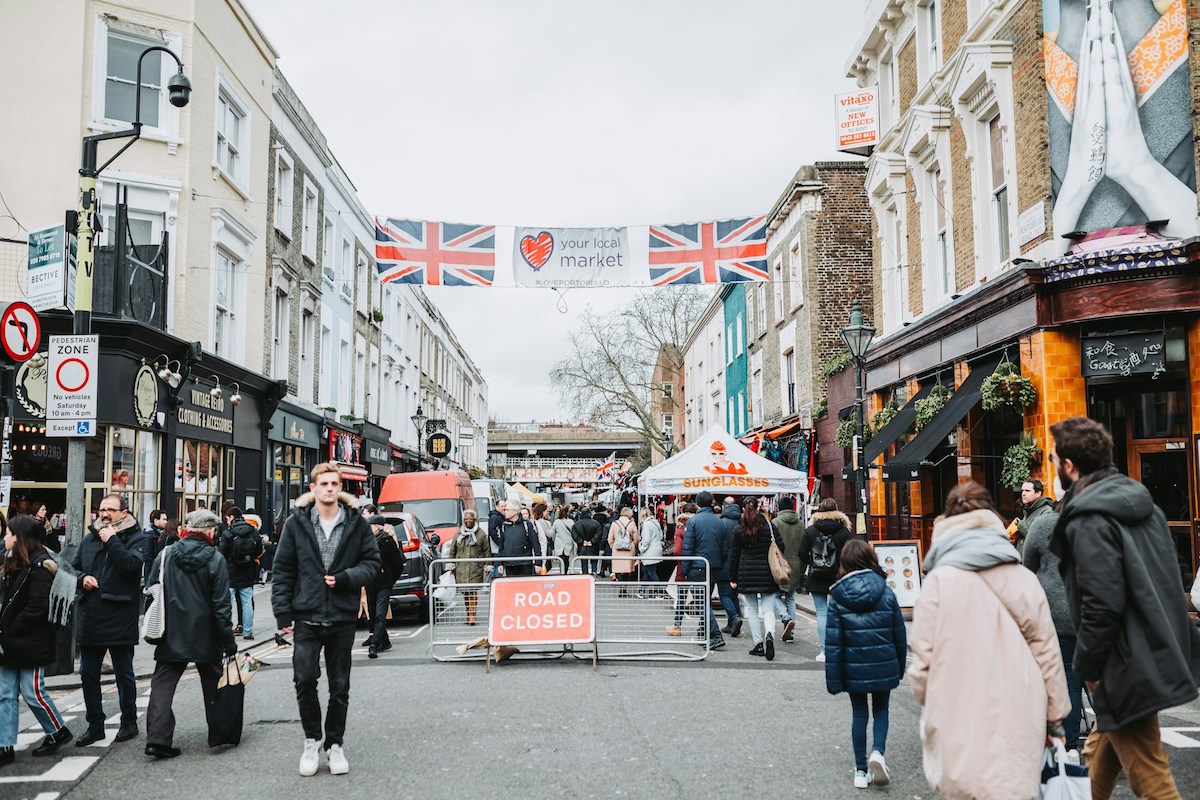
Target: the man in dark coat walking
pixel 587 534
pixel 196 586
pixel 326 555
pixel 1135 648
pixel 819 547
pixel 242 546
pixel 731 516
pixel 705 537
pixel 109 565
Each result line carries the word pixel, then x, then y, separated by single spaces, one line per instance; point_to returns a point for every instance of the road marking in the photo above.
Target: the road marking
pixel 1175 738
pixel 415 633
pixel 69 769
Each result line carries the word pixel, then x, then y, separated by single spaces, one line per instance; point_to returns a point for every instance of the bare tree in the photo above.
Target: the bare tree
pixel 606 380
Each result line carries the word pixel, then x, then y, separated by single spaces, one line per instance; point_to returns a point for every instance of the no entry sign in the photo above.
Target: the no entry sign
pixel 553 609
pixel 20 331
pixel 71 386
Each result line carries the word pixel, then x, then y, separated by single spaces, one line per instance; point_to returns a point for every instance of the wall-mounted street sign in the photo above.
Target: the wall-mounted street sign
pixel 71 386
pixel 438 445
pixel 46 268
pixel 20 331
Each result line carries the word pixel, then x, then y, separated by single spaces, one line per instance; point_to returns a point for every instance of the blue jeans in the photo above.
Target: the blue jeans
pixel 858 724
pixel 1074 689
pixel 30 684
pixel 728 599
pixel 785 605
pixel 247 595
pixel 89 678
pixel 821 604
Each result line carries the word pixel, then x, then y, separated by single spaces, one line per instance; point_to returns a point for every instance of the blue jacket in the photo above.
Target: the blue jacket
pixel 705 537
pixel 865 641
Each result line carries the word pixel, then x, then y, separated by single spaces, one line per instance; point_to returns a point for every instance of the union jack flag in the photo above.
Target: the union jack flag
pixel 435 253
pixel 605 466
pixel 724 251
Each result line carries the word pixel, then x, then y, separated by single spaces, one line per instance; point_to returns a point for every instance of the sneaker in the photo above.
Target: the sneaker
pixel 1072 756
pixel 878 768
pixel 338 765
pixel 249 637
pixel 769 647
pixel 674 630
pixel 716 644
pixel 788 627
pixel 861 781
pixel 821 656
pixel 757 650
pixel 736 629
pixel 311 758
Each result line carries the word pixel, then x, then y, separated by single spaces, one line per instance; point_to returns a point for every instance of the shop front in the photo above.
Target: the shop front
pixel 376 455
pixel 294 439
pixel 345 450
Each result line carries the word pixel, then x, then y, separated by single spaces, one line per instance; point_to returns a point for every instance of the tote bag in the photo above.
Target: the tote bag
pixel 154 622
pixel 227 705
pixel 780 570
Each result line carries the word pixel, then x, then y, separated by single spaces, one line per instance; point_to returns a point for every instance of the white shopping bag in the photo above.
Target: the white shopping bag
pixel 445 593
pixel 1063 781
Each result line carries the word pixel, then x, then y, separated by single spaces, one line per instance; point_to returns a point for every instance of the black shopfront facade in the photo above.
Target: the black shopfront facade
pixel 294 437
pixel 168 434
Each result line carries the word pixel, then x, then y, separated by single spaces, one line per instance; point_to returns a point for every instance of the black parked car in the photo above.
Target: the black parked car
pixel 419 553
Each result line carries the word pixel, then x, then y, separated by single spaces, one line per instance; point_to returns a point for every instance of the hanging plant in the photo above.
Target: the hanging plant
pixel 846 429
pixel 1008 387
pixel 836 364
pixel 929 407
pixel 883 416
pixel 822 408
pixel 1018 461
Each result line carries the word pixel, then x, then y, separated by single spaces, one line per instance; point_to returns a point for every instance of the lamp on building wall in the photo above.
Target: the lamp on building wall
pixel 165 374
pixel 236 397
pixel 216 390
pixel 857 336
pixel 418 421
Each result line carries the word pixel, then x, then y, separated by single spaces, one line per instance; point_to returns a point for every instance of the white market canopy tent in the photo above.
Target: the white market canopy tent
pixel 717 462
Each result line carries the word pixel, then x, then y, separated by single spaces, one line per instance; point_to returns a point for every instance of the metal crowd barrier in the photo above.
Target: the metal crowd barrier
pixel 449 628
pixel 635 620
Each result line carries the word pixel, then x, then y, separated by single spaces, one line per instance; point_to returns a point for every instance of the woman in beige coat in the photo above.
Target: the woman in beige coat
pixel 984 651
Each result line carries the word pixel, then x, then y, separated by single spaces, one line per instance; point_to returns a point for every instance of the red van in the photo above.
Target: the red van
pixel 437 498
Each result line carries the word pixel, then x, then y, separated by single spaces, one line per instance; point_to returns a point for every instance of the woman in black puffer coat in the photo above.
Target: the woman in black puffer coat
pixel 26 637
pixel 865 650
pixel 752 578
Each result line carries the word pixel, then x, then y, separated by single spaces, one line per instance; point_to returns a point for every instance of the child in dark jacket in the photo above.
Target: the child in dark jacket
pixel 865 650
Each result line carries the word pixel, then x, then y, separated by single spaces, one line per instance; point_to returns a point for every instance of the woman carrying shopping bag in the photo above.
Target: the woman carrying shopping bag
pixel 865 650
pixel 195 584
pixel 26 637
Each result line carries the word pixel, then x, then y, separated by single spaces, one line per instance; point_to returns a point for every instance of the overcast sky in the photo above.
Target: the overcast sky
pixel 558 113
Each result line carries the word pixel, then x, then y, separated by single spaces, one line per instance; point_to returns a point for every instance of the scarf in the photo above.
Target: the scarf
pixel 467 535
pixel 63 590
pixel 973 541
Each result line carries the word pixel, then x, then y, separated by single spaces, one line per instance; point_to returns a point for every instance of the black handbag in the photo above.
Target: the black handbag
pixel 228 702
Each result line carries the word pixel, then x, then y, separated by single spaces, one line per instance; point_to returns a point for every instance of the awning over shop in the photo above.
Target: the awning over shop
pixel 896 428
pixel 906 465
pixel 352 472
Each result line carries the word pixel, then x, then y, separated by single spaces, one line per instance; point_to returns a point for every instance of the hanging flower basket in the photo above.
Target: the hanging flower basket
pixel 1008 387
pixel 928 408
pixel 883 416
pixel 1019 460
pixel 845 432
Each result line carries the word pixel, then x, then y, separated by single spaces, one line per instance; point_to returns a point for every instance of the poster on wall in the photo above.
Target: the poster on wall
pixel 1119 108
pixel 901 562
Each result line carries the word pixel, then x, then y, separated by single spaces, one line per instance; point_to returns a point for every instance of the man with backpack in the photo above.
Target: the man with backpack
pixel 819 548
pixel 242 546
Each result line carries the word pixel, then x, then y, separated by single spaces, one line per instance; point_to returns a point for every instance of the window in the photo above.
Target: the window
pixel 360 380
pixel 750 312
pixel 284 191
pixel 741 413
pixel 889 91
pixel 114 96
pixel 282 330
pixel 737 330
pixel 198 473
pixel 999 191
pixel 895 270
pixel 233 140
pixel 668 424
pixel 305 356
pixel 762 308
pixel 328 269
pixel 345 268
pixel 326 367
pixel 941 243
pixel 224 317
pixel 777 278
pixel 308 236
pixel 729 354
pixel 233 245
pixel 362 286
pixel 343 373
pixel 932 23
pixel 789 377
pixel 796 277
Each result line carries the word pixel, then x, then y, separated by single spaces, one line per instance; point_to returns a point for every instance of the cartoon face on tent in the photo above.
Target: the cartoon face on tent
pixel 721 465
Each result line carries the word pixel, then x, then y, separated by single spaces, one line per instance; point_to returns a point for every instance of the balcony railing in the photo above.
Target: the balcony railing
pixel 131 279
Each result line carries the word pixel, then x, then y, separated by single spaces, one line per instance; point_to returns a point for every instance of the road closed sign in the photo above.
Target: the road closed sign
pixel 71 386
pixel 553 609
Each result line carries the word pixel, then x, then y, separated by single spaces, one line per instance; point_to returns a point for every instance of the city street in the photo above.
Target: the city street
pixel 725 727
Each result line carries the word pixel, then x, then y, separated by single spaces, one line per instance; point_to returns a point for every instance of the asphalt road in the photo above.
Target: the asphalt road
pixel 730 726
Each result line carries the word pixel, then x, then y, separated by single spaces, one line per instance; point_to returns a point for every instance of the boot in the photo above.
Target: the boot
pixel 51 743
pixel 7 756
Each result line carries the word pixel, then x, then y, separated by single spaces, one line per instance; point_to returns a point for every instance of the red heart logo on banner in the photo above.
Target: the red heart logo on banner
pixel 536 250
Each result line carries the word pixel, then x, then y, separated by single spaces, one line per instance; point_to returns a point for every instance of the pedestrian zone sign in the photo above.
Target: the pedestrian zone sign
pixel 71 386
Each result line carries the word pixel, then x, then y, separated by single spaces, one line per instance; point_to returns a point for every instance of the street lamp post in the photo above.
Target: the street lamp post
pixel 179 90
pixel 857 336
pixel 418 421
pixel 668 446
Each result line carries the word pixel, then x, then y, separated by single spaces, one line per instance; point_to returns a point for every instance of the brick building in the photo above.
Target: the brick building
pixel 1008 237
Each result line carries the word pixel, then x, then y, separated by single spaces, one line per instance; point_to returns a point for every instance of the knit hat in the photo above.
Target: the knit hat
pixel 200 519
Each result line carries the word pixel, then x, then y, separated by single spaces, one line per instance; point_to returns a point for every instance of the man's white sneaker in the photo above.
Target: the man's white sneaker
pixel 311 758
pixel 338 765
pixel 878 768
pixel 1073 756
pixel 821 656
pixel 861 781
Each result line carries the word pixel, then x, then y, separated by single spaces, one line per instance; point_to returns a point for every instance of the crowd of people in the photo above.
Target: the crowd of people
pixel 1079 595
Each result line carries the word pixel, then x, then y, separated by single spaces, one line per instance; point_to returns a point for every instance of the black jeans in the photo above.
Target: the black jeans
pixel 337 641
pixel 377 617
pixel 160 716
pixel 89 676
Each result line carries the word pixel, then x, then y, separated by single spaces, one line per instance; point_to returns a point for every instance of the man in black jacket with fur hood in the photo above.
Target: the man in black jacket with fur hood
pixel 326 555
